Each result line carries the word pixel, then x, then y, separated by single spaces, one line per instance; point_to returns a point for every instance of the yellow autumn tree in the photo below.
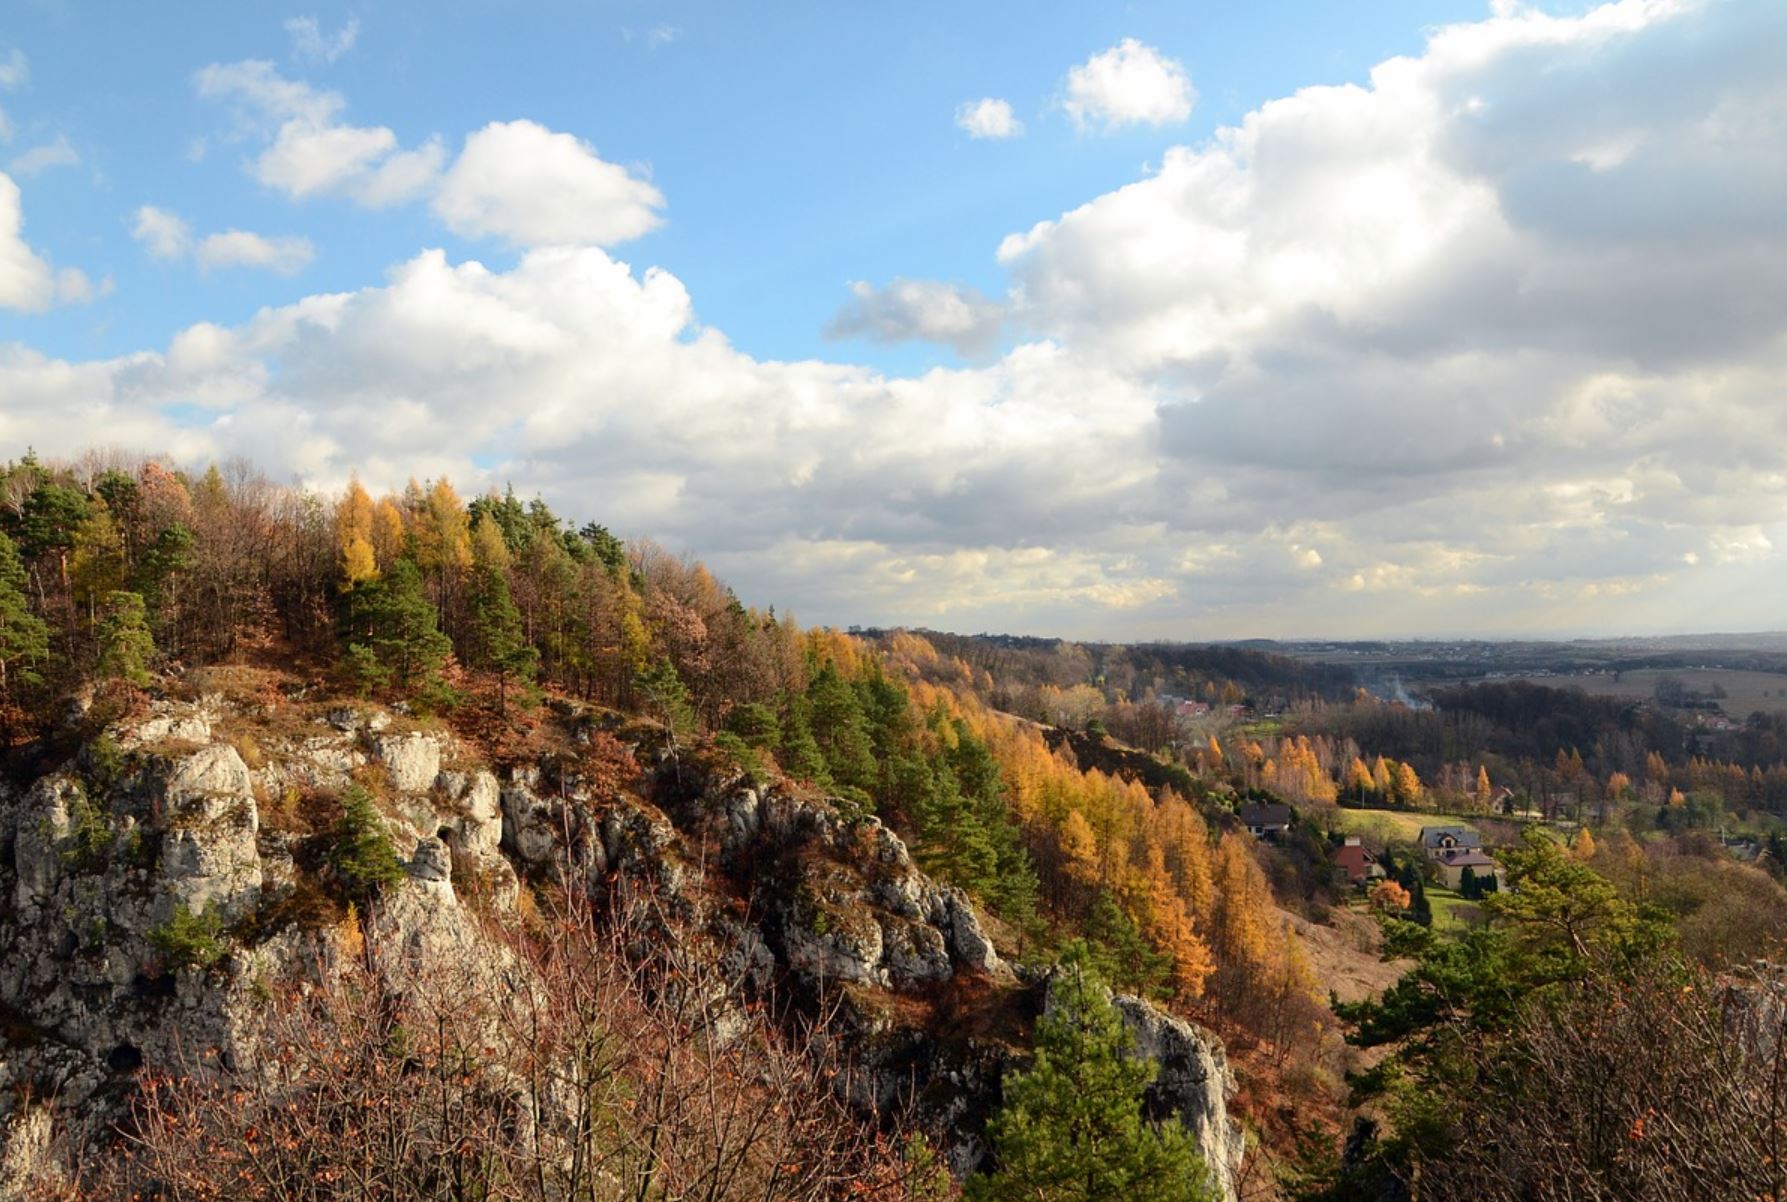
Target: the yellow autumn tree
pixel 1241 934
pixel 1185 846
pixel 353 535
pixel 1380 775
pixel 1170 929
pixel 1079 849
pixel 1406 786
pixel 1482 794
pixel 1583 847
pixel 387 532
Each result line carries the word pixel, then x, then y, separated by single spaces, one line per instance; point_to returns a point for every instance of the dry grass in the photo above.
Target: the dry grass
pixel 1747 691
pixel 1344 955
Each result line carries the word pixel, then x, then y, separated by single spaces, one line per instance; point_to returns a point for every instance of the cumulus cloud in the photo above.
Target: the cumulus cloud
pixel 311 44
pixel 166 236
pixel 42 158
pixel 1129 84
pixel 163 234
pixel 309 151
pixel 240 248
pixel 988 117
pixel 28 282
pixel 529 186
pixel 1492 341
pixel 925 310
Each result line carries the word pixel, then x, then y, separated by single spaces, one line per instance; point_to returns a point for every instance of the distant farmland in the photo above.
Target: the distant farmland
pixel 1746 692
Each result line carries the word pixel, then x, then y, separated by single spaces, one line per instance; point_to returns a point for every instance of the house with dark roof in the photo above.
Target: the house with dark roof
pixel 1269 820
pixel 1456 863
pixel 1438 841
pixel 1356 862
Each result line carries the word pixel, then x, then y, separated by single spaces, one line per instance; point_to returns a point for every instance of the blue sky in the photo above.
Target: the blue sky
pixel 799 146
pixel 1181 320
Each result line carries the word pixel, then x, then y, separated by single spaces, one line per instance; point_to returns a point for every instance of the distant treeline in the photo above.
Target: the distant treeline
pixel 1520 720
pixel 1217 672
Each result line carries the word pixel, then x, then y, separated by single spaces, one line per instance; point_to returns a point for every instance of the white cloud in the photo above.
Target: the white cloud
pixel 240 248
pixel 265 96
pixel 15 70
pixel 42 158
pixel 6 129
pixel 311 44
pixel 530 186
pixel 402 177
pixel 306 160
pixel 310 151
pixel 1420 354
pixel 988 117
pixel 73 287
pixel 28 282
pixel 920 309
pixel 167 236
pixel 1129 84
pixel 163 234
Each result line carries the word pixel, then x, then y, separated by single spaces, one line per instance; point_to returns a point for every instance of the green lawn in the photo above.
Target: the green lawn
pixel 1380 826
pixel 1445 905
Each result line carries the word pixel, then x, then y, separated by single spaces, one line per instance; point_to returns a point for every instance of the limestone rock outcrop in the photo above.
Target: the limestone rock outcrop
pixel 223 815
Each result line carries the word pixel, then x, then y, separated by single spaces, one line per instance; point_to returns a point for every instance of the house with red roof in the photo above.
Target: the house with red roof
pixel 1357 861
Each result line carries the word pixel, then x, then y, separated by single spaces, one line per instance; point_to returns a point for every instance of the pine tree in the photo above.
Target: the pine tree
pixel 125 645
pixel 1120 953
pixel 836 718
pixel 361 853
pixel 499 640
pixel 393 629
pixel 1071 1128
pixel 664 692
pixel 799 753
pixel 1420 909
pixel 24 637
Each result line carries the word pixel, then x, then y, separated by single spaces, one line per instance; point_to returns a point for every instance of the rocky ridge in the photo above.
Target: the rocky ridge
pixel 207 807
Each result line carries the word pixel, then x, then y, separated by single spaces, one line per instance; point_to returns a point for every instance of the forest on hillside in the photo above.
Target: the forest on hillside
pixel 121 577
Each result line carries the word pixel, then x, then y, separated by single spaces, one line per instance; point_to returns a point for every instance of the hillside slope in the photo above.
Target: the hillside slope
pixel 180 875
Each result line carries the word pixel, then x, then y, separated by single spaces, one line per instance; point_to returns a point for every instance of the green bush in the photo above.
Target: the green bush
pixel 90 835
pixel 361 853
pixel 732 750
pixel 189 940
pixel 756 724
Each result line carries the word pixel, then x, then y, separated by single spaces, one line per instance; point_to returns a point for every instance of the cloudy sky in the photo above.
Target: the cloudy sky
pixel 1164 319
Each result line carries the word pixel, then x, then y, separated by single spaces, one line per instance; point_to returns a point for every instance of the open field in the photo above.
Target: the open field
pixel 1402 826
pixel 1447 907
pixel 1746 691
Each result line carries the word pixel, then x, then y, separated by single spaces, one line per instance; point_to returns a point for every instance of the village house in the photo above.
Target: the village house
pixel 1356 862
pixel 1454 866
pixel 1265 821
pixel 1454 849
pixel 1437 842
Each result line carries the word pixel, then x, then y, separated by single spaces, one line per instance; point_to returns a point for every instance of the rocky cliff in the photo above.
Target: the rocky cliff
pixel 160 880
